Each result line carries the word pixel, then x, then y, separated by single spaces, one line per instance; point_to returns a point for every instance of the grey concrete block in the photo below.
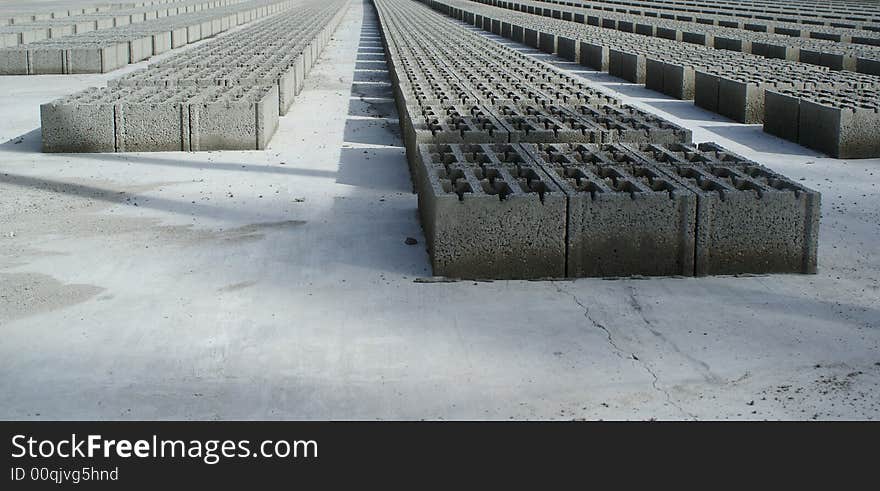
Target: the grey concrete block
pixel 491 214
pixel 654 74
pixel 749 219
pixel 46 60
pixel 868 65
pixel 741 100
pixel 840 130
pixel 781 114
pixel 161 42
pixel 629 124
pixel 97 58
pixel 82 122
pixel 547 42
pixel 700 38
pixel 625 217
pixel 153 122
pixel 517 33
pixel 706 90
pixel 14 61
pixel 594 56
pixel 678 81
pixel 140 49
pixel 240 118
pixel 530 38
pixel 627 65
pixel 568 48
pixel 527 123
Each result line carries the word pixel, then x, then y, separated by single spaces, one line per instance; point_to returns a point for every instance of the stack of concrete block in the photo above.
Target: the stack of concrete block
pixel 488 211
pixel 172 107
pixel 861 31
pixel 131 38
pixel 813 50
pixel 453 86
pixel 161 119
pixel 807 19
pixel 14 36
pixel 827 46
pixel 511 211
pixel 557 206
pixel 729 83
pixel 81 22
pixel 66 58
pixel 278 52
pixel 625 216
pixel 62 10
pixel 843 125
pixel 749 218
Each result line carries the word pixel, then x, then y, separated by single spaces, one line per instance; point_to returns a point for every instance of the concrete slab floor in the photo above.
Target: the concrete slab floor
pixel 277 284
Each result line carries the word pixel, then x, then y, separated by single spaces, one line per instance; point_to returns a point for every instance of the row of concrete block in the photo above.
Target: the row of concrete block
pixel 813 14
pixel 511 211
pixel 860 58
pixel 154 119
pixel 793 25
pixel 534 210
pixel 278 52
pixel 27 32
pixel 839 125
pixel 625 54
pixel 14 14
pixel 453 86
pixel 142 113
pixel 110 49
pixel 736 90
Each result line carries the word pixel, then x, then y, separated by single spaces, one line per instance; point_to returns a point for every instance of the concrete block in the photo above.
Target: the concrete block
pixel 749 219
pixel 45 60
pixel 161 42
pixel 140 49
pixel 82 122
pixel 838 61
pixel 781 114
pixel 452 124
pixel 678 81
pixel 868 65
pixel 97 58
pixel 625 217
pixel 179 37
pixel 14 61
pixel 527 123
pixel 667 33
pixel 700 38
pixel 654 74
pixel 154 121
pixel 741 100
pixel 732 43
pixel 567 48
pixel 627 65
pixel 646 29
pixel 506 30
pixel 517 33
pixel 487 212
pixel 193 33
pixel 239 118
pixel 706 90
pixel 841 130
pixel 530 38
pixel 547 42
pixel 595 56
